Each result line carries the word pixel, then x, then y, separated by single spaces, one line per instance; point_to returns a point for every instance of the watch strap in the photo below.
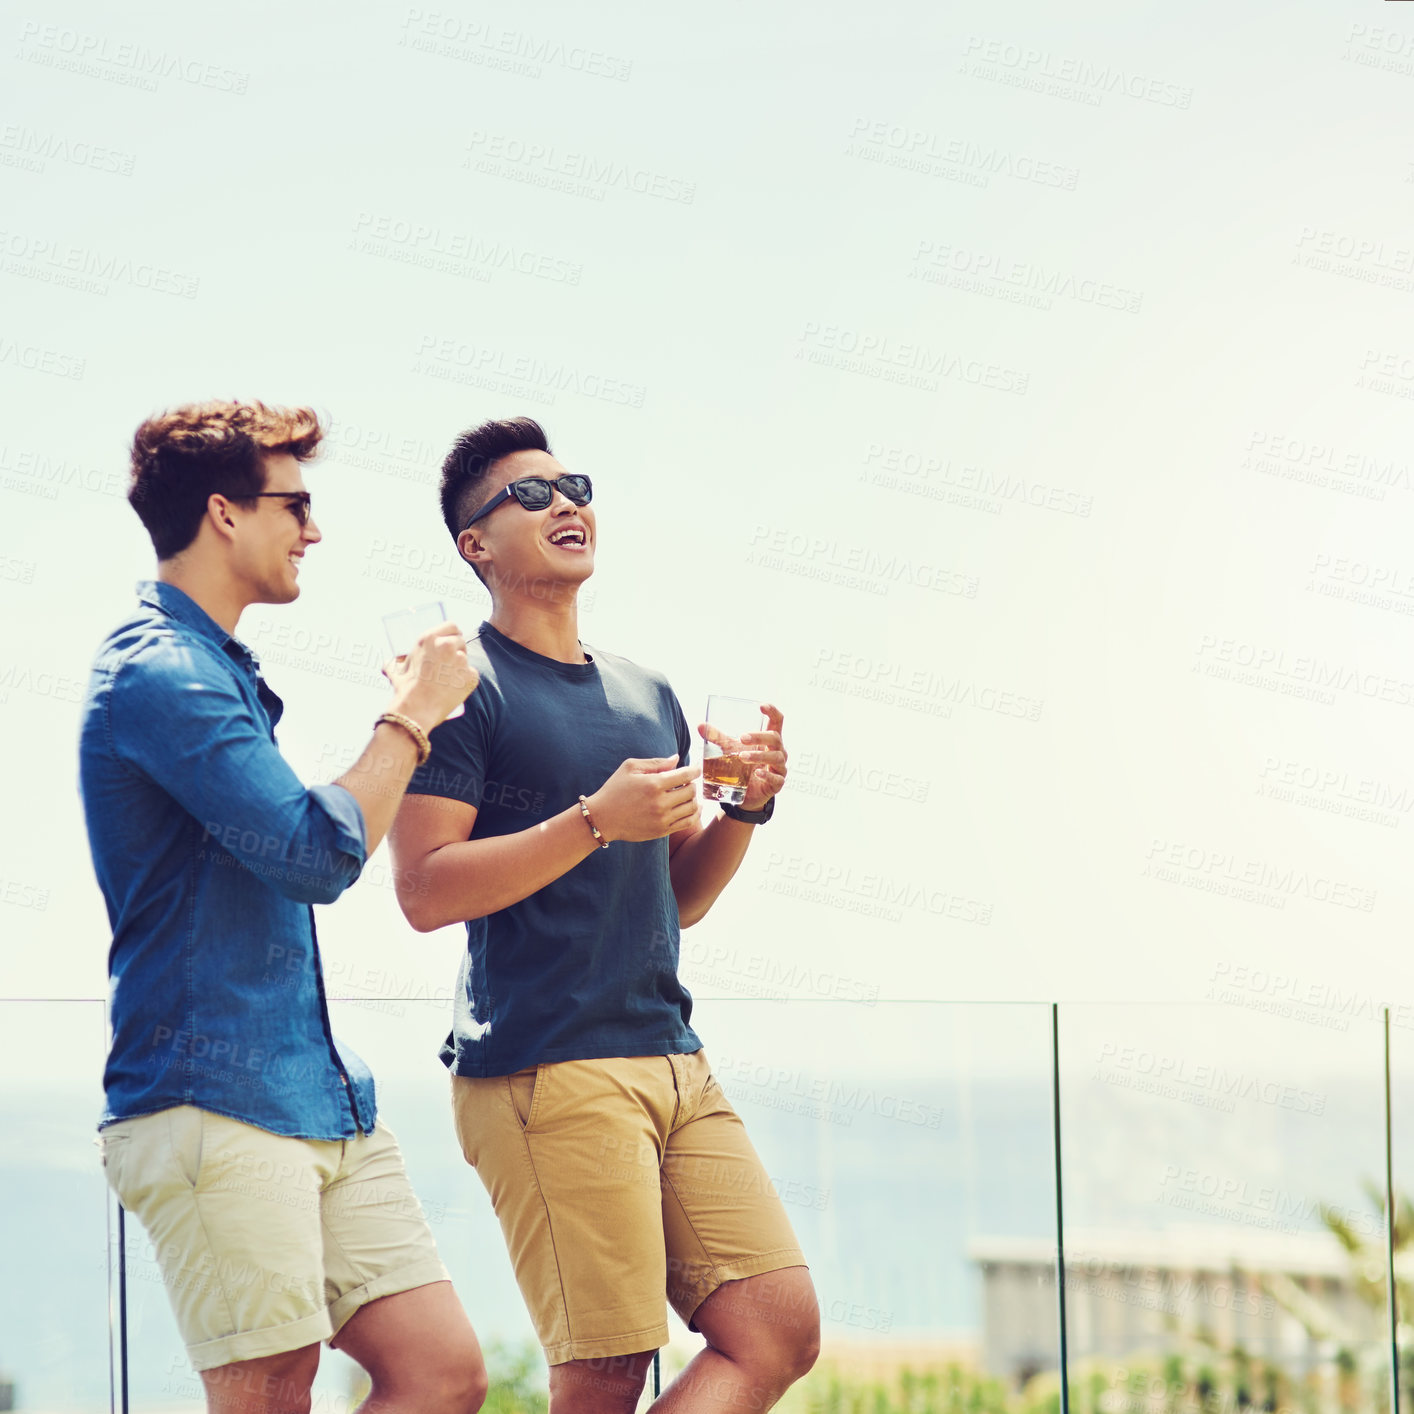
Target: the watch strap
pixel 751 817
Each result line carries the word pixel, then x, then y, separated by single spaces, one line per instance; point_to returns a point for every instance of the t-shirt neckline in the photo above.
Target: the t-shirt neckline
pixel 539 660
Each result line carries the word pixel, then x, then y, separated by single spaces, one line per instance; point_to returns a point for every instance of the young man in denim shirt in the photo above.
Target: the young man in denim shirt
pixel 240 1134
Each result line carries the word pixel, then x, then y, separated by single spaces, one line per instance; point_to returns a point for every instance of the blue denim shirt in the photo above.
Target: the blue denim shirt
pixel 210 853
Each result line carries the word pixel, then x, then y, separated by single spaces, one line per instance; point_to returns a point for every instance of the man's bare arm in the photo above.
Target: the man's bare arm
pixel 379 777
pixel 444 877
pixel 702 862
pixel 427 684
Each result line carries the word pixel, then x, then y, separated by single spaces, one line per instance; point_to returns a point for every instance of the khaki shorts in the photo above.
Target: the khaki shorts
pixel 615 1182
pixel 266 1243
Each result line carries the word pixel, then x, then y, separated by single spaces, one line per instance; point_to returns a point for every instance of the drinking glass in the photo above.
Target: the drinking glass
pixel 725 775
pixel 406 626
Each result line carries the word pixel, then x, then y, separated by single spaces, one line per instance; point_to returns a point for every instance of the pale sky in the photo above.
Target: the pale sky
pixel 1001 713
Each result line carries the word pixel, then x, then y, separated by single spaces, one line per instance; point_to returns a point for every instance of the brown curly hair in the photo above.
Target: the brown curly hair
pixel 180 458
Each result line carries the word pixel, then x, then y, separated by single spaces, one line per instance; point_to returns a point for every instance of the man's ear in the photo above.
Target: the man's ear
pixel 218 512
pixel 470 548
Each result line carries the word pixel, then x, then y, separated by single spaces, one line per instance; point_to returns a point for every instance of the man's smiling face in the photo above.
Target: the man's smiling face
pixel 524 548
pixel 273 540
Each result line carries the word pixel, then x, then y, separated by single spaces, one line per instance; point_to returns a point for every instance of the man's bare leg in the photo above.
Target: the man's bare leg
pixel 420 1351
pixel 763 1334
pixel 609 1385
pixel 272 1384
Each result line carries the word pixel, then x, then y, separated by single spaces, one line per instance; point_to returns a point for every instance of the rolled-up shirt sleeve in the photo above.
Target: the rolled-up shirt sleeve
pixel 176 716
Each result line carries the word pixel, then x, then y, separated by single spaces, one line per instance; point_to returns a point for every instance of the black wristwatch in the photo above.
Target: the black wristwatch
pixel 750 817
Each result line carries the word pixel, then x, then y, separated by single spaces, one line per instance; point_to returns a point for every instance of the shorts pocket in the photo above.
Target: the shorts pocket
pixel 111 1141
pixel 186 1132
pixel 527 1087
pixel 111 1149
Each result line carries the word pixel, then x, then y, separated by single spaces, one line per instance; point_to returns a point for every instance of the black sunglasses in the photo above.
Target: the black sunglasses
pixel 300 511
pixel 535 493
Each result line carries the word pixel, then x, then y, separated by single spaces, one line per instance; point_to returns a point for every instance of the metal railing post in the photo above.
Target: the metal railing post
pixel 1060 1209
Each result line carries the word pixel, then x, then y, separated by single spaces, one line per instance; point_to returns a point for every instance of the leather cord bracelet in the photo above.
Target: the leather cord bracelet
pixel 588 820
pixel 424 747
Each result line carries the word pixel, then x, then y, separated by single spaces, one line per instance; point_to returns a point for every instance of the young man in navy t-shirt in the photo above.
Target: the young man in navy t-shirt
pixel 559 819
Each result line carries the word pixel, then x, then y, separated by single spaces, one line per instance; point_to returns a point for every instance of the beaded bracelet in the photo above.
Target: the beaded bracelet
pixel 593 828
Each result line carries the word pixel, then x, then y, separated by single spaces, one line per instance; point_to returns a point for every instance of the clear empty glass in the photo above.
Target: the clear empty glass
pixel 406 626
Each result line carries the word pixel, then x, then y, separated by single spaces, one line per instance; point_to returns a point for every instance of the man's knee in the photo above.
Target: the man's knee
pixel 463 1390
pixel 769 1324
pixel 803 1351
pixel 450 1381
pixel 784 1353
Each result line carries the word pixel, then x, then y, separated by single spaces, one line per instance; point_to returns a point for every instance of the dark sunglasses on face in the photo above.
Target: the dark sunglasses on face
pixel 300 509
pixel 535 493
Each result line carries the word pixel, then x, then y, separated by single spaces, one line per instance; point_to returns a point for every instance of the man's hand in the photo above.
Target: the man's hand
pixel 766 753
pixel 702 862
pixel 645 799
pixel 428 683
pixel 434 679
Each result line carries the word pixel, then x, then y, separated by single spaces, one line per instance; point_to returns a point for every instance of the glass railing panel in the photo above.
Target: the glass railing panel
pixel 54 1303
pixel 1221 1180
pixel 911 1144
pixel 1401 1094
pixel 399 1037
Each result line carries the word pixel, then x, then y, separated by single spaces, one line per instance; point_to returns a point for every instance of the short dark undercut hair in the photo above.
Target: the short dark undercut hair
pixel 469 463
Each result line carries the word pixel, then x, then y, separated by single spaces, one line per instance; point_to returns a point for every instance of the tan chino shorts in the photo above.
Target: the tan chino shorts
pixel 267 1243
pixel 617 1182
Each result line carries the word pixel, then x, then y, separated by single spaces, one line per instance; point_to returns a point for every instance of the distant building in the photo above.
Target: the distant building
pixel 1127 1294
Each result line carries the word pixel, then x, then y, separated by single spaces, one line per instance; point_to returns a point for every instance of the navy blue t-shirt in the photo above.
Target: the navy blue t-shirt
pixel 587 966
